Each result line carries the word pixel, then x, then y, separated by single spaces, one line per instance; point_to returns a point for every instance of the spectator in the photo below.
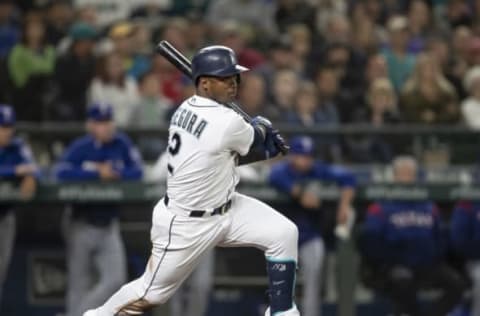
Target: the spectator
pixel 9 28
pixel 428 97
pixel 419 24
pixel 404 246
pixel 280 56
pixel 471 105
pixel 73 73
pixel 328 85
pixel 59 17
pixel 234 36
pixel 256 14
pixel 458 13
pixel 381 111
pixel 94 239
pixel 152 108
pixel 252 94
pixel 302 46
pixel 17 165
pixel 338 30
pixel 31 64
pixel 112 85
pixel 291 12
pixel 399 61
pixel 285 85
pixel 466 242
pixel 107 11
pixel 293 177
pixel 308 111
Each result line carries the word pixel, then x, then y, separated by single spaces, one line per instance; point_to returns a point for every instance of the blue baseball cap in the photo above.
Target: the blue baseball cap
pixel 100 112
pixel 302 145
pixel 7 115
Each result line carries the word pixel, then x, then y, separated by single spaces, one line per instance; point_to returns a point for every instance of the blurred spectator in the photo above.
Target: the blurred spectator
pixel 381 111
pixel 152 107
pixel 9 27
pixel 107 11
pixel 252 94
pixel 280 56
pixel 294 177
pixel 291 12
pixel 59 17
pixel 73 73
pixel 328 85
pixel 176 32
pixel 234 36
pixel 88 15
pixel 338 30
pixel 301 44
pixel 17 166
pixel 367 35
pixel 400 62
pixel 428 97
pixel 471 105
pixel 404 246
pixel 170 79
pixel 253 13
pixel 458 13
pixel 419 25
pixel 31 65
pixel 466 242
pixel 96 255
pixel 309 111
pixel 112 85
pixel 327 8
pixel 285 85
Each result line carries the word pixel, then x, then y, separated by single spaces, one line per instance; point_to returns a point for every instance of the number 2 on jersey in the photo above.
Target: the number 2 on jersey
pixel 174 148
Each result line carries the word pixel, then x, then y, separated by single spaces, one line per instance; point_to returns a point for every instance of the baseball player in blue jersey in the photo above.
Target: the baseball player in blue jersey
pixel 465 237
pixel 16 164
pixel 292 177
pixel 95 247
pixel 404 244
pixel 201 209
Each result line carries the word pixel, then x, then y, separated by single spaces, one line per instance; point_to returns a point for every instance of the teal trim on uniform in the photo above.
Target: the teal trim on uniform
pixel 280 260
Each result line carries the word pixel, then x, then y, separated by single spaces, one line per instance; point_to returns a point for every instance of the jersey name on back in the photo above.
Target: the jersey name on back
pixel 189 121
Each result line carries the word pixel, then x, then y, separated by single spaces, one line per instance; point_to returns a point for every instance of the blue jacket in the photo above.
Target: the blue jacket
pixel 77 165
pixel 283 177
pixel 403 232
pixel 465 229
pixel 12 155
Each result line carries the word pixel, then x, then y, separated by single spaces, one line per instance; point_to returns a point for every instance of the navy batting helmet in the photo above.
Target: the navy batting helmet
pixel 215 61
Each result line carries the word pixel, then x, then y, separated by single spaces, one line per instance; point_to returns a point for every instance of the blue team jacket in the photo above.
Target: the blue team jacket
pixel 465 229
pixel 12 155
pixel 76 165
pixel 403 232
pixel 283 177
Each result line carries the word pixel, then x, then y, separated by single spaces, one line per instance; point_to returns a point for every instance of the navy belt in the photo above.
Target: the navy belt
pixel 199 213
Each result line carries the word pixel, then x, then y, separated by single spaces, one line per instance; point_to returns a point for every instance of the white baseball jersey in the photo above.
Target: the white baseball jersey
pixel 205 138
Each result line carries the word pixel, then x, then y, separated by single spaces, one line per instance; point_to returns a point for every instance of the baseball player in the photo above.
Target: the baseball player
pixel 95 247
pixel 293 177
pixel 16 164
pixel 465 236
pixel 201 209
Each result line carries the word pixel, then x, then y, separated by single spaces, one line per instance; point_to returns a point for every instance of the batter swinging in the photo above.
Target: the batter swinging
pixel 201 209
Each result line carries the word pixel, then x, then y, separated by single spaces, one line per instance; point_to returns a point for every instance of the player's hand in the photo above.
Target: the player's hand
pixel 309 200
pixel 28 187
pixel 106 171
pixel 280 142
pixel 343 213
pixel 25 169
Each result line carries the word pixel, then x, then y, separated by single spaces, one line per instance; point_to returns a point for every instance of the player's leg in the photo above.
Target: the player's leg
pixel 80 245
pixel 178 243
pixel 110 264
pixel 474 271
pixel 7 238
pixel 256 224
pixel 311 255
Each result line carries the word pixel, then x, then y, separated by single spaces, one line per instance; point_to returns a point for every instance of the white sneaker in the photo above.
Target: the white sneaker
pixel 90 312
pixel 291 312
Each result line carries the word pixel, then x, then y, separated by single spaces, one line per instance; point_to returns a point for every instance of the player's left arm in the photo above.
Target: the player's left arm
pixel 267 142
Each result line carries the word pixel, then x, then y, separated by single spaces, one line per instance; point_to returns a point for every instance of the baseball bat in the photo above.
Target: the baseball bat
pixel 182 63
